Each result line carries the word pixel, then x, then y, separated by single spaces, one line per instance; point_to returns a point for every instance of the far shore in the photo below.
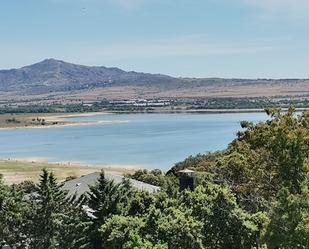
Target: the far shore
pixel 65 124
pixel 51 120
pixel 56 120
pixel 207 111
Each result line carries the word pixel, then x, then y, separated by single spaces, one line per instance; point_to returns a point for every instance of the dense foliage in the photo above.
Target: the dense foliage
pixel 254 194
pixel 155 177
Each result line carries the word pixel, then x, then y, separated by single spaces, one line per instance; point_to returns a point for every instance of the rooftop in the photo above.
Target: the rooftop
pixel 81 185
pixel 186 171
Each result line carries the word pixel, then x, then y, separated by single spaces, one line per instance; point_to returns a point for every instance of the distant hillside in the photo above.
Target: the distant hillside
pixel 54 79
pixel 55 75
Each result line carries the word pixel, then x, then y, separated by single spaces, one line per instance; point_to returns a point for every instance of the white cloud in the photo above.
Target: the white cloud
pixel 179 48
pixel 289 8
pixel 294 8
pixel 124 4
pixel 128 4
pixel 176 47
pixel 196 56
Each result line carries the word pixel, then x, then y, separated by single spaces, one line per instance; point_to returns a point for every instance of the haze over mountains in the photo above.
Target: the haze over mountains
pixel 60 78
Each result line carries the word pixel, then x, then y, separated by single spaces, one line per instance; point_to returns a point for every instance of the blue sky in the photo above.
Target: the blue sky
pixel 196 38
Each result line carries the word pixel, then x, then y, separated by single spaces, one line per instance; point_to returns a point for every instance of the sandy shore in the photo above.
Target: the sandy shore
pixel 62 120
pixel 54 120
pixel 64 125
pixel 16 170
pixel 64 116
pixel 77 164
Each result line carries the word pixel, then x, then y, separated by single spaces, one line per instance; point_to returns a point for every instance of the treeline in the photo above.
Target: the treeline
pixel 266 170
pixel 154 177
pixel 252 195
pixel 174 105
pixel 247 103
pixel 65 108
pixel 52 108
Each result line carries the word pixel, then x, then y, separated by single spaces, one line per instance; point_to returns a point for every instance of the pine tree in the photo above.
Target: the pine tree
pixel 12 217
pixel 55 220
pixel 105 200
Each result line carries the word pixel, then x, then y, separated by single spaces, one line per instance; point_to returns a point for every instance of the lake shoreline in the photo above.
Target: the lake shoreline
pixel 203 111
pixel 147 141
pixel 51 120
pixel 57 120
pixel 16 170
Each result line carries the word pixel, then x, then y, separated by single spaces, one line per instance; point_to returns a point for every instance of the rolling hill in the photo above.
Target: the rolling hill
pixel 54 79
pixel 55 75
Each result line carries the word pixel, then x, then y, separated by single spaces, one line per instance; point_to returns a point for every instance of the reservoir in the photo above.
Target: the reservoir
pixel 146 140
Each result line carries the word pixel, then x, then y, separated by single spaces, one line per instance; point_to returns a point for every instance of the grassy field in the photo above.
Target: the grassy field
pixel 17 171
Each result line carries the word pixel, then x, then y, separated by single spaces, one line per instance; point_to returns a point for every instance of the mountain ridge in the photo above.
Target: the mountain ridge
pixel 57 77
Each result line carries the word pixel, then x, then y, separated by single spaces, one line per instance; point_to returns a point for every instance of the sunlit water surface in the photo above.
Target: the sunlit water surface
pixel 149 140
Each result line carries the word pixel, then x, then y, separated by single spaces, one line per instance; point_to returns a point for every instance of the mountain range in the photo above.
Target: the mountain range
pixel 55 75
pixel 58 77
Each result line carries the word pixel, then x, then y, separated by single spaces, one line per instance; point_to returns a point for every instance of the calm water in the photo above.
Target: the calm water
pixel 150 140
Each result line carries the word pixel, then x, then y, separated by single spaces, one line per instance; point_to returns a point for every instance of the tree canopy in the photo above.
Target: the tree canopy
pixel 254 194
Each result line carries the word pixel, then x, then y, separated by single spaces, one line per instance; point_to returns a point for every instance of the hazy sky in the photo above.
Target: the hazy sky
pixel 199 38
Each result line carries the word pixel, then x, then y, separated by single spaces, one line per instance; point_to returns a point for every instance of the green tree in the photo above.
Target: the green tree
pixel 13 210
pixel 117 230
pixel 136 242
pixel 47 203
pixel 289 227
pixel 278 150
pixel 54 218
pixel 225 224
pixel 175 227
pixel 138 202
pixel 105 199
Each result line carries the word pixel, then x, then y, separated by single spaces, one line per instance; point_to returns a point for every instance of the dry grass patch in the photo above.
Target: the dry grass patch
pixel 18 171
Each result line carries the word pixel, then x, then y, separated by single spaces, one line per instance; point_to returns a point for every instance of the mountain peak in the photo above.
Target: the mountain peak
pixel 52 75
pixel 51 60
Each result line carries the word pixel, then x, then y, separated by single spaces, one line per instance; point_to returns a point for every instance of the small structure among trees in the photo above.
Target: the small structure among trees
pixel 186 179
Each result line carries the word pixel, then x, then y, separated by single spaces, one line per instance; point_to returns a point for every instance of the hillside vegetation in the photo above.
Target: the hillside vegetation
pixel 252 195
